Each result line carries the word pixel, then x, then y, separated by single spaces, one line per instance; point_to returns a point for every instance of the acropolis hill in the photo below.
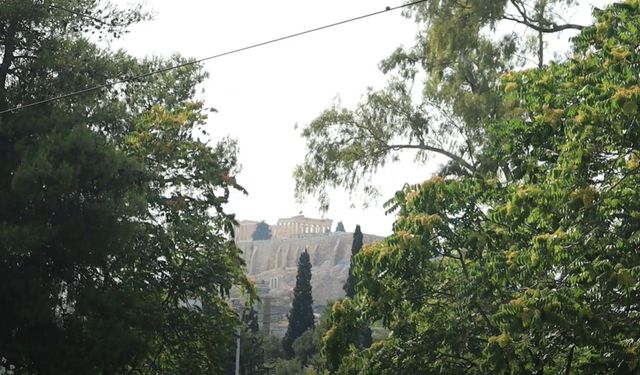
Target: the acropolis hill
pixel 272 264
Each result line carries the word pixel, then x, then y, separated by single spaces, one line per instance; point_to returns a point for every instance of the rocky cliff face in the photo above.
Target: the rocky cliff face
pixel 274 263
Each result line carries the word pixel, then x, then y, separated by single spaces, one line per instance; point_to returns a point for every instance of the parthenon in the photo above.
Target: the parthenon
pixel 292 227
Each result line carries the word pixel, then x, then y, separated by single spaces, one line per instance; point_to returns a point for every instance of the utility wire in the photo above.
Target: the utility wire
pixel 125 78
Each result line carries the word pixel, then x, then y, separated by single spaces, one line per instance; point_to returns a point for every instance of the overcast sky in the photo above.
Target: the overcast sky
pixel 263 93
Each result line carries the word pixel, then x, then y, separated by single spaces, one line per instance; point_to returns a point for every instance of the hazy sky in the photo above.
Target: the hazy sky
pixel 263 93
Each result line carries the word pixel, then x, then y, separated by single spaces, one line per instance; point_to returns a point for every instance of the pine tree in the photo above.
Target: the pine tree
pixel 363 338
pixel 301 314
pixel 340 227
pixel 262 232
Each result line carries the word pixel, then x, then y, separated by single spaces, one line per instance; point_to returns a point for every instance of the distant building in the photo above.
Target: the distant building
pixel 245 229
pixel 299 226
pixel 293 227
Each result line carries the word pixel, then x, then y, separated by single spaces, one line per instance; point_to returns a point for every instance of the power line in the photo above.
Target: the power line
pixel 125 78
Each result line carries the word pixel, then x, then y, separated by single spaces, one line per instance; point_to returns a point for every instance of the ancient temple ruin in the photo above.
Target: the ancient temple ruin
pixel 292 227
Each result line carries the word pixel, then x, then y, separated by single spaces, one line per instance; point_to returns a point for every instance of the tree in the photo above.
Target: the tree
pixel 344 327
pixel 363 339
pixel 534 274
pixel 262 232
pixel 350 285
pixel 252 353
pixel 456 64
pixel 112 225
pixel 287 367
pixel 273 351
pixel 340 227
pixel 30 29
pixel 250 319
pixel 301 316
pixel 304 347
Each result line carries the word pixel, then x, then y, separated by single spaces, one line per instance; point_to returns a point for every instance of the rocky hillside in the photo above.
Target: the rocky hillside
pixel 274 263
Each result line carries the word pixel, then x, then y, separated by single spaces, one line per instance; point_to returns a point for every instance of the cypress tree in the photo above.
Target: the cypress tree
pixel 301 314
pixel 363 338
pixel 340 227
pixel 350 285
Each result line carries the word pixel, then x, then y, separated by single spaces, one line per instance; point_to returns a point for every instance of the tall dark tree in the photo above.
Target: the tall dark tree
pixel 262 232
pixel 350 285
pixel 340 227
pixel 301 315
pixel 363 337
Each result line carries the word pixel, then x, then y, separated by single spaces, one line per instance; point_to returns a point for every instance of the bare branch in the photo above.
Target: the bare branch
pixel 527 21
pixel 554 28
pixel 437 150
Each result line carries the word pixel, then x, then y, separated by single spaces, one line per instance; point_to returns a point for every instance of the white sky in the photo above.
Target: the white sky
pixel 263 93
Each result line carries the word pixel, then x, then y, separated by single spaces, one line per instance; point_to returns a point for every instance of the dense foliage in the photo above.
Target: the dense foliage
pixel 440 95
pixel 307 358
pixel 340 227
pixel 252 353
pixel 114 255
pixel 363 337
pixel 301 316
pixel 533 267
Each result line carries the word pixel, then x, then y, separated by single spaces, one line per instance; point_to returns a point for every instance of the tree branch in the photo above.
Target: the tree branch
pixel 567 369
pixel 437 150
pixel 525 20
pixel 554 28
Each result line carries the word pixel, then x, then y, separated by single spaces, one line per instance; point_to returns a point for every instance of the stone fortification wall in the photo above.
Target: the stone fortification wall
pixel 274 263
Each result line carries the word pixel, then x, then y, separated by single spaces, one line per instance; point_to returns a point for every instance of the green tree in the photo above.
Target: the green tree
pixel 304 347
pixel 340 227
pixel 252 356
pixel 272 349
pixel 350 285
pixel 301 315
pixel 363 339
pixel 32 30
pixel 456 64
pixel 112 225
pixel 262 232
pixel 250 318
pixel 287 367
pixel 252 353
pixel 535 274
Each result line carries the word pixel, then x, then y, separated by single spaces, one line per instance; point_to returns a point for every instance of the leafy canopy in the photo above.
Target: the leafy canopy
pixel 440 95
pixel 536 274
pixel 114 255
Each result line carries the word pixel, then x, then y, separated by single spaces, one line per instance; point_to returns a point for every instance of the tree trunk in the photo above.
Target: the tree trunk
pixel 542 4
pixel 7 60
